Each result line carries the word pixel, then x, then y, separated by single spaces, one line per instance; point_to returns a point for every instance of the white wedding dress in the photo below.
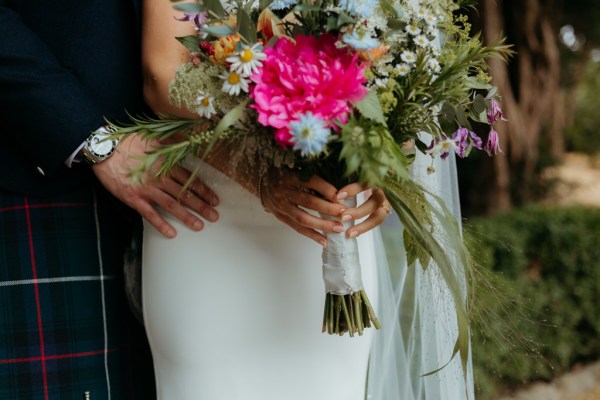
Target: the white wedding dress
pixel 235 312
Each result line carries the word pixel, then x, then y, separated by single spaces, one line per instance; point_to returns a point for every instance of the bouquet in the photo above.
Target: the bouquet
pixel 346 89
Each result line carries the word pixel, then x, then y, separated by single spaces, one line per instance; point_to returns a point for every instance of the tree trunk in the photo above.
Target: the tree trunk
pixel 531 96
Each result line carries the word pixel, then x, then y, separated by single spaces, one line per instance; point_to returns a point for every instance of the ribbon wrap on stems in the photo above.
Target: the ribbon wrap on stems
pixel 347 307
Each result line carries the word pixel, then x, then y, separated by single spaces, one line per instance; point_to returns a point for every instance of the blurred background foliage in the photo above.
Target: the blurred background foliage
pixel 546 267
pixel 545 261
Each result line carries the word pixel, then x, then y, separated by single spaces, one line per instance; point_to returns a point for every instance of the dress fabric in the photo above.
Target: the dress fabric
pixel 235 311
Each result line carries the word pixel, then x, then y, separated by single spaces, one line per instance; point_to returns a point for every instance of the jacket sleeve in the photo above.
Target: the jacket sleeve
pixel 44 110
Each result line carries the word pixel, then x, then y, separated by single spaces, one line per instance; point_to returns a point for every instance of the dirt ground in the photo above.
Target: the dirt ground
pixel 575 181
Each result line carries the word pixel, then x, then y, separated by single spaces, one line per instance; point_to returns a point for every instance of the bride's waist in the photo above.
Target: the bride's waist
pixel 236 204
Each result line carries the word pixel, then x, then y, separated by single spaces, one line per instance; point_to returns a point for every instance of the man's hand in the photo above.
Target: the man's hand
pixel 166 192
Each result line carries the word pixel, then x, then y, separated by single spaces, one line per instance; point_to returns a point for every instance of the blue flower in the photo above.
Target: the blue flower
pixel 360 41
pixel 359 8
pixel 309 134
pixel 282 4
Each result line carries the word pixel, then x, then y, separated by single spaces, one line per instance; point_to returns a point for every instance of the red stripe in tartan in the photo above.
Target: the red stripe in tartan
pixel 37 298
pixel 28 206
pixel 56 357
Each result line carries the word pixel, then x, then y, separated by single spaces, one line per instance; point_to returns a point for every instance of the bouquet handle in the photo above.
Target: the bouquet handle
pixel 347 307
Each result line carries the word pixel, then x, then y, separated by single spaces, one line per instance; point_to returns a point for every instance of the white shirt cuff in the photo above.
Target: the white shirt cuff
pixel 69 161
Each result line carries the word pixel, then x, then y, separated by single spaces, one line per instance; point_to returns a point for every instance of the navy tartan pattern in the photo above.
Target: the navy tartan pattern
pixel 65 328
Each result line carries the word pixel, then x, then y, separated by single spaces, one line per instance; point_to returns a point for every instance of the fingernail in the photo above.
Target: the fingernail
pixel 342 210
pixel 353 234
pixel 346 218
pixel 323 243
pixel 341 195
pixel 171 233
pixel 213 216
pixel 197 226
pixel 214 202
pixel 338 229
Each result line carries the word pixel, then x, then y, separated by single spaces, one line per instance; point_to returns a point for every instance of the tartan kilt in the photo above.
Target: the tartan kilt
pixel 66 331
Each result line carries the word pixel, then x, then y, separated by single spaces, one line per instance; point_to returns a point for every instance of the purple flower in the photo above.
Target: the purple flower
pixel 197 18
pixel 495 113
pixel 465 138
pixel 492 145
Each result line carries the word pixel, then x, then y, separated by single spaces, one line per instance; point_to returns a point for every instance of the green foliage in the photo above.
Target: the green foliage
pixel 546 264
pixel 584 134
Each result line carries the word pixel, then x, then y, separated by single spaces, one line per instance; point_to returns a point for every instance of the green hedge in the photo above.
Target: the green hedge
pixel 546 262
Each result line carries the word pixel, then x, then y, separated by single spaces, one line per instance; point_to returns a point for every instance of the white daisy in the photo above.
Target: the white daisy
pixel 381 82
pixel 412 29
pixel 206 105
pixel 234 83
pixel 431 20
pixel 422 41
pixel 434 65
pixel 422 13
pixel 408 57
pixel 247 60
pixel 403 69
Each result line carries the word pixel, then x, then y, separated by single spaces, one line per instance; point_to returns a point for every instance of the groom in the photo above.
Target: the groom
pixel 65 328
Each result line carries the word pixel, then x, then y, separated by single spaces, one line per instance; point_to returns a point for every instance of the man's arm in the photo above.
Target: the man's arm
pixel 39 98
pixel 49 113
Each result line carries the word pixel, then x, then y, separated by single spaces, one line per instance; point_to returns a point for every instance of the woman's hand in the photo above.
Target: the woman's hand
pixel 376 207
pixel 285 195
pixel 166 192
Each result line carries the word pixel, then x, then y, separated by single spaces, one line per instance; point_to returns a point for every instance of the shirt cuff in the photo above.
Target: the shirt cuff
pixel 72 158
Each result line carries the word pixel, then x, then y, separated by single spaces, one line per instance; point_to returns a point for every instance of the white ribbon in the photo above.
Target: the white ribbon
pixel 341 264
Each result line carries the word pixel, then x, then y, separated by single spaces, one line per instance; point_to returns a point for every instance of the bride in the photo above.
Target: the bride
pixel 235 312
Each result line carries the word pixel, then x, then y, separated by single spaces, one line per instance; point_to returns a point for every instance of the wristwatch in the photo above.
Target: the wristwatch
pixel 98 146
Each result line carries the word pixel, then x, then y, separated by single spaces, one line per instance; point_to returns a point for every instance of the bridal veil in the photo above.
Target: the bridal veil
pixel 416 309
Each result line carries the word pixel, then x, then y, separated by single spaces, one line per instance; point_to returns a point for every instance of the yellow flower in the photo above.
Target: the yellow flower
pixel 224 47
pixel 374 54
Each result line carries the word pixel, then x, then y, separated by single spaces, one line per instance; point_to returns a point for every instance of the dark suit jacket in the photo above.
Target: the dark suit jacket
pixel 65 65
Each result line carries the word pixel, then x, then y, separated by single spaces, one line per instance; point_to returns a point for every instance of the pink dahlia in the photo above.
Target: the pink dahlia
pixel 310 75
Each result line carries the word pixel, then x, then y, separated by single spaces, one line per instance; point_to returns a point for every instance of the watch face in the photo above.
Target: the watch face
pixel 100 146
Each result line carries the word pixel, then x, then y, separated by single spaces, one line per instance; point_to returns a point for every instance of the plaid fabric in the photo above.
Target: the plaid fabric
pixel 65 329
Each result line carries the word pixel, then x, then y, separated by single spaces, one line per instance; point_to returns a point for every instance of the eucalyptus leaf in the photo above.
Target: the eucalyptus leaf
pixel 422 146
pixel 479 104
pixel 396 24
pixel 215 8
pixel 246 28
pixel 219 30
pixel 191 8
pixel 474 83
pixel 448 112
pixel 461 118
pixel 491 92
pixel 387 6
pixel 190 42
pixel 370 108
